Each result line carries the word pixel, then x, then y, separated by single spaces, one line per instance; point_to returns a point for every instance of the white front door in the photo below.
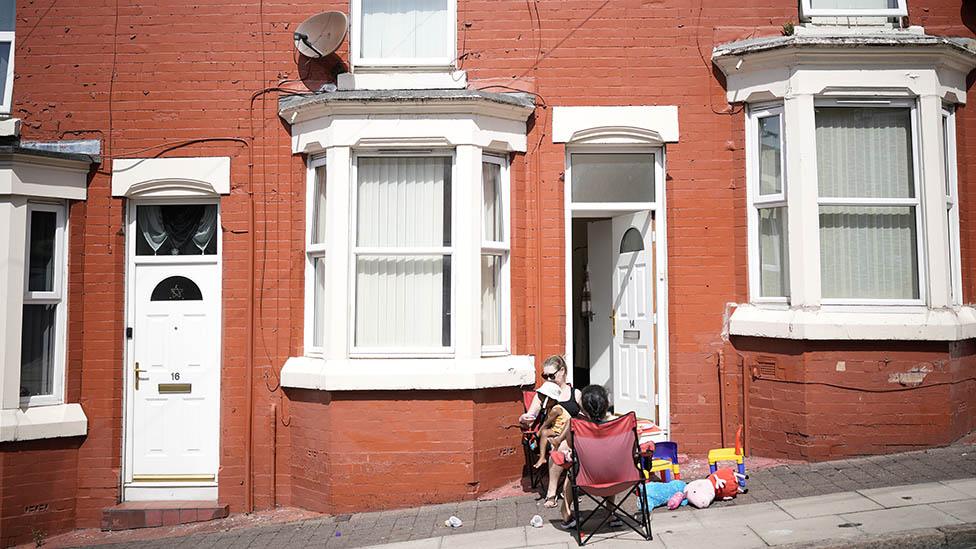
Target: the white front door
pixel 632 315
pixel 172 421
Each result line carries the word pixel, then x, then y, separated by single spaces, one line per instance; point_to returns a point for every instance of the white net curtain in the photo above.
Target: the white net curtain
pixel 184 229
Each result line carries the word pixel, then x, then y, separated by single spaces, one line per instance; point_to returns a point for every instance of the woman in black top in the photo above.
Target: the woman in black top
pixel 555 369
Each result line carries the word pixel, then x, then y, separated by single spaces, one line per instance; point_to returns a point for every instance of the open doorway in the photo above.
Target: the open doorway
pixel 616 283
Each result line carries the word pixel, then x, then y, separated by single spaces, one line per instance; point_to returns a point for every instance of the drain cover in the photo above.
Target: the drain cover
pixel 849 525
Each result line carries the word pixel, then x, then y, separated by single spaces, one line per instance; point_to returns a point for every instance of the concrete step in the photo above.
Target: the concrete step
pixel 148 514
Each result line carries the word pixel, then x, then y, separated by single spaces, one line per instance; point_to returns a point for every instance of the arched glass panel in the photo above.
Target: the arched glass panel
pixel 176 288
pixel 632 241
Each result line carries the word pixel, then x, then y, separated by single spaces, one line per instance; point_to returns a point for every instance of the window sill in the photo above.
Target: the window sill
pixel 407 374
pixel 41 422
pixel 404 78
pixel 920 325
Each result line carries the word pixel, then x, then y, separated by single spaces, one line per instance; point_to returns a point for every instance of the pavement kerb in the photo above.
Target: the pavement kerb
pixel 960 536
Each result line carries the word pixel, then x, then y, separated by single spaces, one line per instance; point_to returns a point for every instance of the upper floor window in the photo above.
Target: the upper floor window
pixel 854 8
pixel 7 24
pixel 403 33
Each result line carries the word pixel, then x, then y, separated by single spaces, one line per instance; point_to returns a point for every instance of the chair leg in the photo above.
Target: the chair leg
pixel 576 513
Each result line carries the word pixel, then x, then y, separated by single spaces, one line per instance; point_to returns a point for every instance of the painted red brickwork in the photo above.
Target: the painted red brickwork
pixel 387 449
pixel 827 400
pixel 37 501
pixel 180 78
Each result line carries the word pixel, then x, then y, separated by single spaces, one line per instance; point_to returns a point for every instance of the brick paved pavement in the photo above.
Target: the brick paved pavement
pixel 787 481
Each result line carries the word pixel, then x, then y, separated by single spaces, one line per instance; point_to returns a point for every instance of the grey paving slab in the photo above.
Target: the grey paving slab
pixel 916 494
pixel 548 534
pixel 429 543
pixel 674 521
pixel 966 486
pixel 829 504
pixel 900 519
pixel 964 510
pixel 741 515
pixel 730 537
pixel 497 539
pixel 805 530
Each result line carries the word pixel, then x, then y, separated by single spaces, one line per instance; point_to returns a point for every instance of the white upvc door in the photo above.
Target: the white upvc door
pixel 174 377
pixel 632 316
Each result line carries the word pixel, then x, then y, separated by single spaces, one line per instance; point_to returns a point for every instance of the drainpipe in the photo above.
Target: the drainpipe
pixel 720 362
pixel 746 386
pixel 249 360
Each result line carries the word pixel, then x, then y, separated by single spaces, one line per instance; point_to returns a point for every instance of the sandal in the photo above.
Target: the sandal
pixel 550 502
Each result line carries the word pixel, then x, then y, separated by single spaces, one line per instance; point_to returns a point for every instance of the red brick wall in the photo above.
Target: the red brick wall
pixel 826 399
pixel 150 76
pixel 38 489
pixel 387 449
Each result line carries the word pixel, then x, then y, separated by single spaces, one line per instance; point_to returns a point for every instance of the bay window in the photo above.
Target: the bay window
pixel 869 207
pixel 43 329
pixel 411 255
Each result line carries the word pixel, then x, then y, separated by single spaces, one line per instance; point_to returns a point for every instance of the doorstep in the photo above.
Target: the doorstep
pixel 148 514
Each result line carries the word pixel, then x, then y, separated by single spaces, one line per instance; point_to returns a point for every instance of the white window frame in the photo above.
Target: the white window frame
pixel 356 36
pixel 952 203
pixel 58 296
pixel 314 251
pixel 501 249
pixel 917 202
pixel 355 250
pixel 6 106
pixel 756 201
pixel 807 11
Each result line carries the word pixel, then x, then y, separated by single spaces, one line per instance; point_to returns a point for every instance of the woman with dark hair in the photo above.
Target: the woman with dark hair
pixel 595 404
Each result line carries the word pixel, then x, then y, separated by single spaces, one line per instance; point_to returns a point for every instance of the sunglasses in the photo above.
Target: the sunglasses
pixel 549 377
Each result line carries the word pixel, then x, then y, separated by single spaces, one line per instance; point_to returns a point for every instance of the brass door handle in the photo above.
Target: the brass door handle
pixel 613 322
pixel 137 372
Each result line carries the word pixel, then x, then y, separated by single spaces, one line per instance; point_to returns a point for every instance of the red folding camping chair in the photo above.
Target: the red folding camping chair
pixel 530 441
pixel 606 462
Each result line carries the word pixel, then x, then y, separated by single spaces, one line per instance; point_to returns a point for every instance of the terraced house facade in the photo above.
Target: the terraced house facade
pixel 243 275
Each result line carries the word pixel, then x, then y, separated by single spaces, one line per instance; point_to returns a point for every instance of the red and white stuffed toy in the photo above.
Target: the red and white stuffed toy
pixel 722 484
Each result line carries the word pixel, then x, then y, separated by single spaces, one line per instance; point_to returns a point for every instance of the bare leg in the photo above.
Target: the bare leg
pixel 544 441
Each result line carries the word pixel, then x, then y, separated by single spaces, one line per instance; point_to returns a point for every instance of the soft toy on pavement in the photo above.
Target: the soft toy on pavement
pixel 722 484
pixel 661 493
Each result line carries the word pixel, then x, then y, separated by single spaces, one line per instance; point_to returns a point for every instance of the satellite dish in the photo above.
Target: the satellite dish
pixel 321 34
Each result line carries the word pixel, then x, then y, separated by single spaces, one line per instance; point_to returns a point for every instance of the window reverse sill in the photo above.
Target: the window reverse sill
pixel 407 374
pixel 392 78
pixel 41 422
pixel 927 325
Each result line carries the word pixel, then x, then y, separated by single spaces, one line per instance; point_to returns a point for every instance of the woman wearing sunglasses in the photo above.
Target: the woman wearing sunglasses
pixel 554 370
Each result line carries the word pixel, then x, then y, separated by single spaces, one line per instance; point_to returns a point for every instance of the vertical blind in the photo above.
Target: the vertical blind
pixel 868 251
pixel 491 263
pixel 403 262
pixel 774 273
pixel 405 29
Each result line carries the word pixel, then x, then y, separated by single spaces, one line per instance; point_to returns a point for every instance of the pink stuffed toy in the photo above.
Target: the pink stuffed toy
pixel 722 484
